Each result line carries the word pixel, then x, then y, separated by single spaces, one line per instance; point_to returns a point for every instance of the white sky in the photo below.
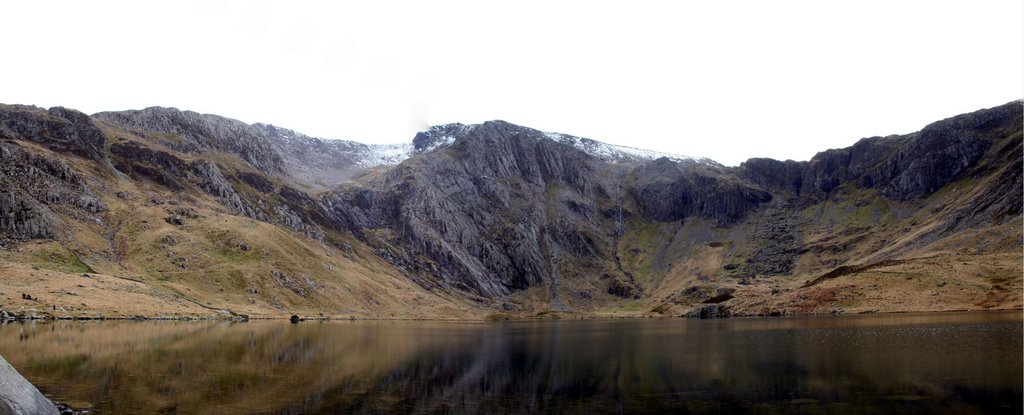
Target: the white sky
pixel 727 80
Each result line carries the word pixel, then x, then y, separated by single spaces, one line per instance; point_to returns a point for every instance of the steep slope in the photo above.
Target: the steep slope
pixel 314 163
pixel 126 225
pixel 204 214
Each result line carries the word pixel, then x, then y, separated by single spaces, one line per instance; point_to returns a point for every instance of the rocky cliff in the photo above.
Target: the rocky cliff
pixel 505 218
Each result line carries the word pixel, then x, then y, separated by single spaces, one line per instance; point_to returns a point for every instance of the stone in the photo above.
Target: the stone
pixel 708 311
pixel 19 397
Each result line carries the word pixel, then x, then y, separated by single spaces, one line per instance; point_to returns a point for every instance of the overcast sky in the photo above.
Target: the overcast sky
pixel 727 80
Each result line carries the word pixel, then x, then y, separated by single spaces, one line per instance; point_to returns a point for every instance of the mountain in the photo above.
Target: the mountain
pixel 167 212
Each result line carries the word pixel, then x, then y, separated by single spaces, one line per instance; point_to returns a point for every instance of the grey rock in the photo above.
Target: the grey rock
pixel 294 285
pixel 213 182
pixel 18 396
pixel 21 220
pixel 59 129
pixel 202 132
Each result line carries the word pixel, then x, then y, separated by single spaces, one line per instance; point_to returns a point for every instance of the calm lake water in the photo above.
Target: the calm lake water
pixel 925 363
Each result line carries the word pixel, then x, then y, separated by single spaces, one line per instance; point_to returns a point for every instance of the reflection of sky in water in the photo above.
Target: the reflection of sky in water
pixel 950 363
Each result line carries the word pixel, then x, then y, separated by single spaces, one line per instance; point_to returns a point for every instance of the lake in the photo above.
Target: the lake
pixel 907 363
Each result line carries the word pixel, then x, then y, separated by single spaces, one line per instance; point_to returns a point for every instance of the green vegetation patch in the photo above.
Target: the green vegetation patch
pixel 56 257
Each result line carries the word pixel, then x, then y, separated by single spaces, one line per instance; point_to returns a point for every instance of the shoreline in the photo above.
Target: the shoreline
pixel 8 317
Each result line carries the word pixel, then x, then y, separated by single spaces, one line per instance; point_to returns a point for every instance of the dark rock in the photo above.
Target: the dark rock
pixel 256 181
pixel 295 319
pixel 624 288
pixel 784 176
pixel 201 131
pixel 142 162
pixel 21 219
pixel 59 129
pixel 709 311
pixel 669 191
pixel 719 298
pixel 174 220
pixel 183 211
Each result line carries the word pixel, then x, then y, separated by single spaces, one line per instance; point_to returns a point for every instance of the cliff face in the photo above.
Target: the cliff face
pixel 497 208
pixel 901 167
pixel 507 216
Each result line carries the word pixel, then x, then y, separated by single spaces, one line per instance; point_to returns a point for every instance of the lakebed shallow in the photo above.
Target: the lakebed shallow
pixel 926 363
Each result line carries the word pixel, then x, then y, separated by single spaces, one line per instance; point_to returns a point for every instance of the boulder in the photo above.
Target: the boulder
pixel 708 311
pixel 18 396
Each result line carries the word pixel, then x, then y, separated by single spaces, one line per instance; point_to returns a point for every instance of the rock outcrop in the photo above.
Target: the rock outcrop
pixel 196 132
pixel 35 188
pixel 22 220
pixel 669 191
pixel 59 129
pixel 902 167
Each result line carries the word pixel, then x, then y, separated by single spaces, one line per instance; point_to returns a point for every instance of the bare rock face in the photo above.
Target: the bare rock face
pixel 784 176
pixel 21 219
pixel 314 162
pixel 18 396
pixel 670 191
pixel 902 167
pixel 59 129
pixel 202 132
pixel 143 163
pixel 944 149
pixel 212 181
pixel 325 164
pixel 486 205
pixel 34 189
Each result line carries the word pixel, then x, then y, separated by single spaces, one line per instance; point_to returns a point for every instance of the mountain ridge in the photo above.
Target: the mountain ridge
pixel 496 217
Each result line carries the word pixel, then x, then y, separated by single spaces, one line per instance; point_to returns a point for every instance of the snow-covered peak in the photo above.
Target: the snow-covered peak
pixel 615 153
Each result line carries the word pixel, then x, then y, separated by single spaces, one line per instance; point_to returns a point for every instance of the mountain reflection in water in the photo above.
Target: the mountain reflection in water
pixel 925 363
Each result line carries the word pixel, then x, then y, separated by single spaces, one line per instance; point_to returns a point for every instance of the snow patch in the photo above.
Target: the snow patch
pixel 385 154
pixel 442 141
pixel 615 153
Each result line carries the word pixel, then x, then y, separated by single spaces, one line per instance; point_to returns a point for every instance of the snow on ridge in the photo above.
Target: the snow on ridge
pixel 374 155
pixel 364 155
pixel 438 136
pixel 385 154
pixel 444 140
pixel 615 153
